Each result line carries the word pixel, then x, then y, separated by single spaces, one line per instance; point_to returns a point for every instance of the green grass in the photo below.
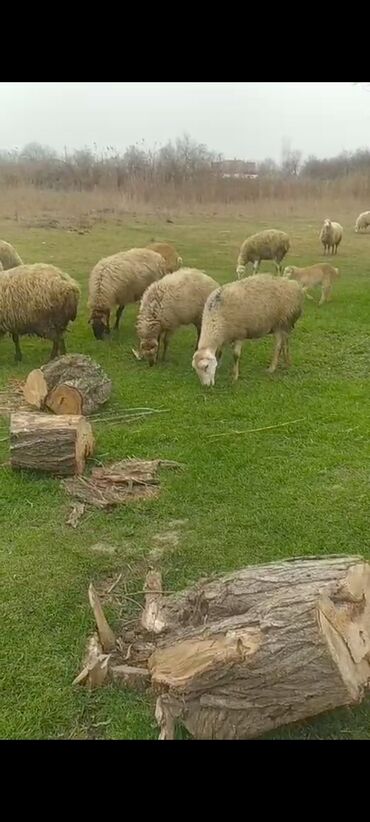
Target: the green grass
pixel 297 490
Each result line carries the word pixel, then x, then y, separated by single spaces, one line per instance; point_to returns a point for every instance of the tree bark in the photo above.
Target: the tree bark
pixel 72 384
pixel 59 445
pixel 268 645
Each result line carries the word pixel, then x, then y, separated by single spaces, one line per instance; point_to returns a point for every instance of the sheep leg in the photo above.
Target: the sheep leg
pixel 62 346
pixel 256 266
pixel 237 348
pixel 166 339
pixel 286 353
pixel 279 343
pixel 325 294
pixel 18 353
pixel 55 349
pixel 118 316
pixel 277 266
pixel 305 291
pixel 198 335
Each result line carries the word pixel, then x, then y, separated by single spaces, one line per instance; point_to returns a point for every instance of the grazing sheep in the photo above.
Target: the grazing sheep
pixel 9 257
pixel 169 254
pixel 331 235
pixel 119 280
pixel 37 299
pixel 177 299
pixel 320 274
pixel 266 245
pixel 363 220
pixel 247 309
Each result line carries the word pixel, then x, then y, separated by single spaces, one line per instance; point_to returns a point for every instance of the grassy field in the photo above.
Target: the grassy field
pixel 302 489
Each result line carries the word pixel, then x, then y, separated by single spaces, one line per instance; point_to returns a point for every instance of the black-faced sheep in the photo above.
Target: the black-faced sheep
pixel 9 257
pixel 37 299
pixel 119 280
pixel 363 220
pixel 331 236
pixel 247 309
pixel 266 245
pixel 177 299
pixel 319 274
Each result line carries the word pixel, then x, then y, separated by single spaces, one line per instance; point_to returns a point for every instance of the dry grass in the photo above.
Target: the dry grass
pixel 80 210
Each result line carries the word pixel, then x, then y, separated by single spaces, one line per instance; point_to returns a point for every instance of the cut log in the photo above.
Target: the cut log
pixel 72 384
pixel 59 445
pixel 263 647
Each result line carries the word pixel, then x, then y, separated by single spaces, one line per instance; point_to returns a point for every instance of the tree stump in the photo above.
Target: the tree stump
pixel 59 445
pixel 72 384
pixel 238 656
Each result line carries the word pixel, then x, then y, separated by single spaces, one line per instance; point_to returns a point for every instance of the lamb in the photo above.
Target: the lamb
pixel 363 220
pixel 177 299
pixel 170 255
pixel 247 309
pixel 9 257
pixel 37 299
pixel 119 280
pixel 331 235
pixel 319 274
pixel 266 245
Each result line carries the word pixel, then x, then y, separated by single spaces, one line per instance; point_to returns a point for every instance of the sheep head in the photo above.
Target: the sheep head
pixel 241 271
pixel 100 324
pixel 205 364
pixel 149 350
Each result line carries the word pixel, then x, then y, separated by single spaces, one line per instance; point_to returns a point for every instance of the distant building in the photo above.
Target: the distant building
pixel 236 168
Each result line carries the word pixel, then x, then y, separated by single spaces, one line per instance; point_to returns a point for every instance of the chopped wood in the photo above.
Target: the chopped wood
pixel 125 481
pixel 263 647
pixel 71 384
pixel 95 666
pixel 130 677
pixel 76 513
pixel 58 445
pixel 152 617
pixel 106 635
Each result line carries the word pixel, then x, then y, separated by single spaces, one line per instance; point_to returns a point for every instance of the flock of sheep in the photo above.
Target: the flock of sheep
pixel 40 299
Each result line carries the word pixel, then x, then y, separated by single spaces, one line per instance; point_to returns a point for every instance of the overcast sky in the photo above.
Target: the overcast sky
pixel 244 120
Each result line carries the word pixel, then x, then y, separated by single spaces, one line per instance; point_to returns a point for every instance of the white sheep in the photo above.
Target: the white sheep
pixel 319 274
pixel 119 280
pixel 37 299
pixel 9 257
pixel 331 236
pixel 177 299
pixel 247 309
pixel 266 245
pixel 363 220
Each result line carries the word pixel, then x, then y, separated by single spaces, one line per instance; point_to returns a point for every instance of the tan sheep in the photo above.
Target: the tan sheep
pixel 363 221
pixel 266 245
pixel 169 254
pixel 119 280
pixel 319 274
pixel 37 299
pixel 177 299
pixel 9 257
pixel 331 236
pixel 247 309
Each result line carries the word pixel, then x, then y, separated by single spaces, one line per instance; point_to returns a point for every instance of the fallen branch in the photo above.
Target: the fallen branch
pixel 254 430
